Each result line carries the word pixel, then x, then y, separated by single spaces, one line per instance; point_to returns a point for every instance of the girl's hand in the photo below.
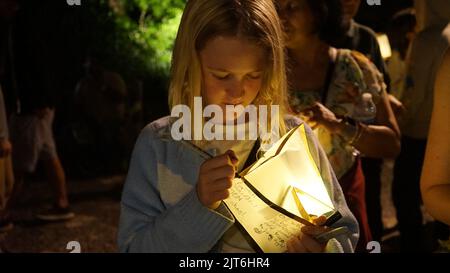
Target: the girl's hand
pixel 215 179
pixel 321 115
pixel 305 241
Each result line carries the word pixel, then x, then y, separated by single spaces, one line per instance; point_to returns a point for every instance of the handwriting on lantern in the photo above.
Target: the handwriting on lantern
pixel 266 223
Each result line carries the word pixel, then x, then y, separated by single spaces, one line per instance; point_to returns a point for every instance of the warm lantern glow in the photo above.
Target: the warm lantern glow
pixel 385 46
pixel 285 177
pixel 291 169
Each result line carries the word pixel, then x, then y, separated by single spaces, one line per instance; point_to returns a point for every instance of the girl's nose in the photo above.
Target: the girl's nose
pixel 236 90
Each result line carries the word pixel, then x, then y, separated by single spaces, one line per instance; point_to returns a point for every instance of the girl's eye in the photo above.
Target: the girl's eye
pixel 255 76
pixel 221 76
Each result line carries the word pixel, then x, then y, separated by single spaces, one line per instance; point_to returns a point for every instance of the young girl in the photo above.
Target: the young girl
pixel 229 52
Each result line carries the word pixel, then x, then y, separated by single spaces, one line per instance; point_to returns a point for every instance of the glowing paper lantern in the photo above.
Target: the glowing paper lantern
pixel 278 194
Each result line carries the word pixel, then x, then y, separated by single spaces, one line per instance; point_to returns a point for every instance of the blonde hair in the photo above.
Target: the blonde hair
pixel 202 20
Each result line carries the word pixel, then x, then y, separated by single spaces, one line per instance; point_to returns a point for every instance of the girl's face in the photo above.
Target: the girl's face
pixel 297 19
pixel 232 71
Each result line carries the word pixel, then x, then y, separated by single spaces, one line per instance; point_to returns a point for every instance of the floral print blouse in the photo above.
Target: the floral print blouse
pixel 353 76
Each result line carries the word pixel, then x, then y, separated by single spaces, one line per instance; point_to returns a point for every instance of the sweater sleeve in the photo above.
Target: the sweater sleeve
pixel 343 243
pixel 148 225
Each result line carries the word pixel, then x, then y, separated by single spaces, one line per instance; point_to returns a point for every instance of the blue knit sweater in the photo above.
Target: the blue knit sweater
pixel 160 210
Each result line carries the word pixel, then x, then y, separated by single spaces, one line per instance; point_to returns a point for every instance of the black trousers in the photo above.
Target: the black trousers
pixel 406 194
pixel 372 173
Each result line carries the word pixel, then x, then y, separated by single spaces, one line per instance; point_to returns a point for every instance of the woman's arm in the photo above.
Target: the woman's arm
pixel 435 182
pixel 378 141
pixel 381 140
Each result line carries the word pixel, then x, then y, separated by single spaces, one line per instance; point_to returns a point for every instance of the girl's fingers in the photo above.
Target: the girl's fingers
pixel 313 230
pixel 311 244
pixel 227 171
pixel 289 247
pixel 221 184
pixel 216 196
pixel 232 156
pixel 220 195
pixel 216 162
pixel 319 221
pixel 296 246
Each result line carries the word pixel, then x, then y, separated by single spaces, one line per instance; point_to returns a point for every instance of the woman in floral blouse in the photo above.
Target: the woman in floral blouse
pixel 341 95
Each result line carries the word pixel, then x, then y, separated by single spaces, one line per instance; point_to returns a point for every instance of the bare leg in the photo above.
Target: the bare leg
pixel 8 185
pixel 15 194
pixel 57 178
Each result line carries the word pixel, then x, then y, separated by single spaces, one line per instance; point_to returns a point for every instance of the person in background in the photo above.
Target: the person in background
pixel 341 94
pixel 7 11
pixel 100 113
pixel 401 32
pixel 30 125
pixel 427 52
pixel 363 39
pixel 360 37
pixel 435 182
pixel 6 171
